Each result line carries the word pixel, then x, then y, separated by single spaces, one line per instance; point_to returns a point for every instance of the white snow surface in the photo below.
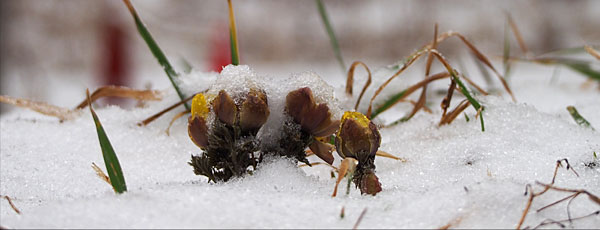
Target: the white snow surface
pixel 452 174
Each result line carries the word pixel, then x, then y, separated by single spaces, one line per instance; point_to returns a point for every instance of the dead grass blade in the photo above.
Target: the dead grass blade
pixel 592 51
pixel 454 113
pixel 559 222
pixel 411 59
pixel 12 205
pixel 478 55
pixel 181 114
pixel 157 115
pixel 517 33
pixel 350 81
pixel 362 214
pixel 348 165
pixel 122 91
pixel 388 155
pixel 407 92
pixel 447 99
pixel 423 97
pixel 41 107
pixel 532 194
pixel 101 173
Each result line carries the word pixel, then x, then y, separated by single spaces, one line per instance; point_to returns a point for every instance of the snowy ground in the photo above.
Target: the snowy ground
pixel 453 174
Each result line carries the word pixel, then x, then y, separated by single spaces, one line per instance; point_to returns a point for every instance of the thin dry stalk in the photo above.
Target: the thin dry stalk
pixel 411 60
pixel 452 223
pixel 515 30
pixel 350 81
pixel 157 115
pixel 347 166
pixel 41 107
pixel 11 204
pixel 181 114
pixel 592 51
pixel 559 222
pixel 122 91
pixel 101 173
pixel 547 187
pixel 362 214
pixel 412 89
pixel 388 155
pixel 455 112
pixel 319 163
pixel 423 97
pixel 447 99
pixel 477 54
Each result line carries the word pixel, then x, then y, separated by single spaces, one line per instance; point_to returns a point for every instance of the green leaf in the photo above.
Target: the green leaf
pixel 506 56
pixel 332 38
pixel 472 100
pixel 578 118
pixel 110 157
pixel 233 41
pixel 156 51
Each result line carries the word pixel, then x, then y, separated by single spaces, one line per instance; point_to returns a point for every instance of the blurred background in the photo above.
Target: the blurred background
pixel 52 50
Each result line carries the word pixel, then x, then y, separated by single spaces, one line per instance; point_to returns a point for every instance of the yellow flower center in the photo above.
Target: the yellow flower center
pixel 361 119
pixel 199 106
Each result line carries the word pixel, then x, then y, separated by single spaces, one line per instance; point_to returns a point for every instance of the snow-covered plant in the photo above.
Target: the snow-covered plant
pixel 228 139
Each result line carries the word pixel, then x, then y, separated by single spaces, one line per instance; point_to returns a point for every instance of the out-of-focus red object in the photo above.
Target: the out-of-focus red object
pixel 219 50
pixel 114 60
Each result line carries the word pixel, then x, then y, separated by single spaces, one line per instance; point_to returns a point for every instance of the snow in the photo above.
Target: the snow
pixel 453 172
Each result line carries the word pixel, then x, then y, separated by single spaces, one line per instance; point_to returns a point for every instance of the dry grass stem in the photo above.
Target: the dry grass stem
pixel 41 107
pixel 592 51
pixel 101 173
pixel 319 163
pixel 121 91
pixel 348 165
pixel 423 97
pixel 350 81
pixel 413 88
pixel 181 114
pixel 455 112
pixel 362 214
pixel 547 187
pixel 12 205
pixel 388 155
pixel 517 33
pixel 453 223
pixel 157 115
pixel 559 222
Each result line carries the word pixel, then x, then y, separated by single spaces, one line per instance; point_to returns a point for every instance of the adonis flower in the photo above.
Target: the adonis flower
pixel 309 121
pixel 230 143
pixel 358 138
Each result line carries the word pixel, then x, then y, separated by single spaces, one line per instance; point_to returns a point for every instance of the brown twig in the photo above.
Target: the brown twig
pixel 559 222
pixel 423 97
pixel 11 204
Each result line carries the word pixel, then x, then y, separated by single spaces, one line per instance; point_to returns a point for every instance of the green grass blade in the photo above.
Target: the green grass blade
pixel 472 100
pixel 110 157
pixel 506 53
pixel 584 69
pixel 233 41
pixel 388 103
pixel 578 118
pixel 332 38
pixel 156 51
